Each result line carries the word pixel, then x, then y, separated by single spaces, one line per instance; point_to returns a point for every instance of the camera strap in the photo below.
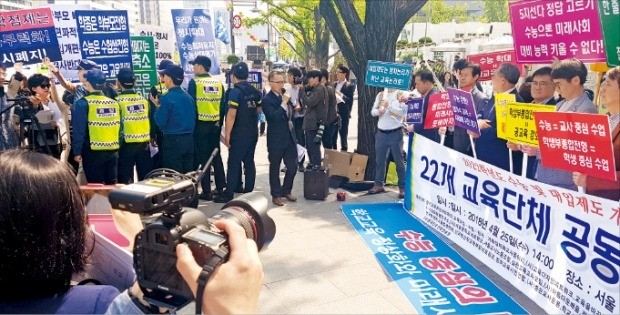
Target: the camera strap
pixel 216 259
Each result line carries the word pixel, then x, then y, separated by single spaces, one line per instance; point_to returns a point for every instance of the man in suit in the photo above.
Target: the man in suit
pixel 489 148
pixel 424 84
pixel 344 90
pixel 543 93
pixel 568 76
pixel 281 139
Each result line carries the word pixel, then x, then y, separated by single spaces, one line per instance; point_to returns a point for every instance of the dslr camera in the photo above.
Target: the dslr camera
pixel 168 192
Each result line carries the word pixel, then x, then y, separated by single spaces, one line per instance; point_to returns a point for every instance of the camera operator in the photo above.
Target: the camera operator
pixel 45 237
pixel 315 101
pixel 8 138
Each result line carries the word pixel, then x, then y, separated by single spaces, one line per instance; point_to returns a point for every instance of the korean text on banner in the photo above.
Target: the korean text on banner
pixel 464 110
pixel 576 142
pixel 28 36
pixel 164 40
pixel 609 12
pixel 490 61
pixel 557 246
pixel 144 64
pixel 520 124
pixel 501 103
pixel 556 28
pixel 68 41
pixel 388 75
pixel 439 112
pixel 194 32
pixel 255 78
pixel 414 110
pixel 104 39
pixel 434 277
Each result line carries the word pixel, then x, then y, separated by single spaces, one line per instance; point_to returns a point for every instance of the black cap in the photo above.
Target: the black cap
pixel 240 70
pixel 175 73
pixel 164 64
pixel 86 64
pixel 126 77
pixel 95 77
pixel 203 61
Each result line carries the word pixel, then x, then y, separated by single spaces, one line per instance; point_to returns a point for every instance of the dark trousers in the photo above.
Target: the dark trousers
pixel 314 149
pixel 207 139
pixel 344 127
pixel 261 127
pixel 158 159
pixel 301 136
pixel 241 151
pixel 130 155
pixel 330 136
pixel 289 155
pixel 100 166
pixel 179 152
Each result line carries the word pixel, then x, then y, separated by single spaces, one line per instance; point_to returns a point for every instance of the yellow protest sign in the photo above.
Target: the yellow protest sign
pixel 520 124
pixel 501 101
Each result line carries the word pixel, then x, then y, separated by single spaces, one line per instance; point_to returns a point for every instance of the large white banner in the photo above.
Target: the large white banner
pixel 164 39
pixel 560 247
pixel 66 31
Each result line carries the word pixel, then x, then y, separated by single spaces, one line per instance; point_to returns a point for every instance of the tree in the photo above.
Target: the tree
pixel 367 30
pixel 494 11
pixel 437 11
pixel 302 20
pixel 232 59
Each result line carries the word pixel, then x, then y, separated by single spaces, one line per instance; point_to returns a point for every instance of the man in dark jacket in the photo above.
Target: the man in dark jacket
pixel 281 140
pixel 315 102
pixel 331 123
pixel 424 84
pixel 345 90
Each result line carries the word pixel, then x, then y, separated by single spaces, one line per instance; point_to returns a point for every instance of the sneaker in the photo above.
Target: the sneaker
pixel 223 198
pixel 206 196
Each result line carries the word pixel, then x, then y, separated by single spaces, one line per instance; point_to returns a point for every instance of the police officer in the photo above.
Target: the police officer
pixel 157 91
pixel 241 135
pixel 208 95
pixel 96 125
pixel 136 125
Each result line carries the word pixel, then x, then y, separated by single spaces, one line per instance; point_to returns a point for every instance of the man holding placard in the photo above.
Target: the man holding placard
pixel 568 76
pixel 424 82
pixel 468 78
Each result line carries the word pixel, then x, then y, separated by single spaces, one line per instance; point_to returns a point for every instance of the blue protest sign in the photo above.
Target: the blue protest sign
pixel 194 32
pixel 433 276
pixel 388 75
pixel 414 110
pixel 104 39
pixel 464 110
pixel 28 36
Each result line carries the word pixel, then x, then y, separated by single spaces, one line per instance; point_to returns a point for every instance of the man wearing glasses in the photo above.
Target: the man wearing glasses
pixel 281 139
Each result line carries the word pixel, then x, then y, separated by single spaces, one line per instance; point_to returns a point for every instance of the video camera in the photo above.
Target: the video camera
pixel 168 192
pixel 298 80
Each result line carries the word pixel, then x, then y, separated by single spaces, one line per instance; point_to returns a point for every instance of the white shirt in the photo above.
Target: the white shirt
pixel 395 113
pixel 294 93
pixel 57 117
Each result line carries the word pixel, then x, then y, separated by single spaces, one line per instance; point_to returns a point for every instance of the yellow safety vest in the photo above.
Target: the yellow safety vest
pixel 104 122
pixel 135 117
pixel 161 88
pixel 209 92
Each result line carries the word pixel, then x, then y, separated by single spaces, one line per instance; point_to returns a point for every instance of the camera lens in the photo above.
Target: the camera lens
pixel 250 212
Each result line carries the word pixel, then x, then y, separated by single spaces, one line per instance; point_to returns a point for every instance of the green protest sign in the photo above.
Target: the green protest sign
pixel 144 63
pixel 388 75
pixel 609 12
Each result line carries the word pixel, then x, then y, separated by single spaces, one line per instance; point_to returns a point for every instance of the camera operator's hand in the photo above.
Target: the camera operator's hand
pixel 235 285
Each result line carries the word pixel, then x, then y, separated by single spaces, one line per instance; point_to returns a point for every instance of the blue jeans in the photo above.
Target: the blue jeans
pixel 384 143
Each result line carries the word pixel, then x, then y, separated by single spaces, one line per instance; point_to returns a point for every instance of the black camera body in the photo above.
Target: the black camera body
pixel 155 246
pixel 298 80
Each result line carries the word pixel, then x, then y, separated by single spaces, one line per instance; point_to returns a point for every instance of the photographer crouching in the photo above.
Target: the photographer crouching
pixel 45 239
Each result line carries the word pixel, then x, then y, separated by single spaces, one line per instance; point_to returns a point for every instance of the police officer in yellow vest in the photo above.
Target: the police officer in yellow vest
pixel 137 126
pixel 96 123
pixel 157 91
pixel 208 93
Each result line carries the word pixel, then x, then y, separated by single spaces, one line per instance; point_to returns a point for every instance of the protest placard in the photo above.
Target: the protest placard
pixel 576 142
pixel 388 75
pixel 464 110
pixel 414 110
pixel 439 112
pixel 520 124
pixel 255 78
pixel 163 37
pixel 609 13
pixel 490 61
pixel 144 64
pixel 557 246
pixel 104 39
pixel 556 28
pixel 68 41
pixel 501 101
pixel 194 33
pixel 28 36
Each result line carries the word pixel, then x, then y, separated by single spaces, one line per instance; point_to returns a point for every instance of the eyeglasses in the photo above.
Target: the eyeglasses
pixel 45 86
pixel 277 82
pixel 558 83
pixel 540 84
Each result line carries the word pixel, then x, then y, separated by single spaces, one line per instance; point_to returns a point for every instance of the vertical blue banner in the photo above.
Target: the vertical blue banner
pixel 194 30
pixel 222 26
pixel 104 39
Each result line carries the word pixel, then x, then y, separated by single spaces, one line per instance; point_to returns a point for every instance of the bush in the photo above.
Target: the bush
pixel 232 59
pixel 425 40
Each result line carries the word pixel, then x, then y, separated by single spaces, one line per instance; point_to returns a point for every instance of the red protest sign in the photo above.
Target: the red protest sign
pixel 439 112
pixel 490 61
pixel 576 142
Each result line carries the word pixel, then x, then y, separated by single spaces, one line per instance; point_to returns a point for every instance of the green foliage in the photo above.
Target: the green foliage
pixel 437 11
pixel 495 11
pixel 232 59
pixel 425 40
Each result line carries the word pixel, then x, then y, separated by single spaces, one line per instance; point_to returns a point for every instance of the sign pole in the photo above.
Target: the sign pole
pixel 473 146
pixel 510 160
pixel 524 169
